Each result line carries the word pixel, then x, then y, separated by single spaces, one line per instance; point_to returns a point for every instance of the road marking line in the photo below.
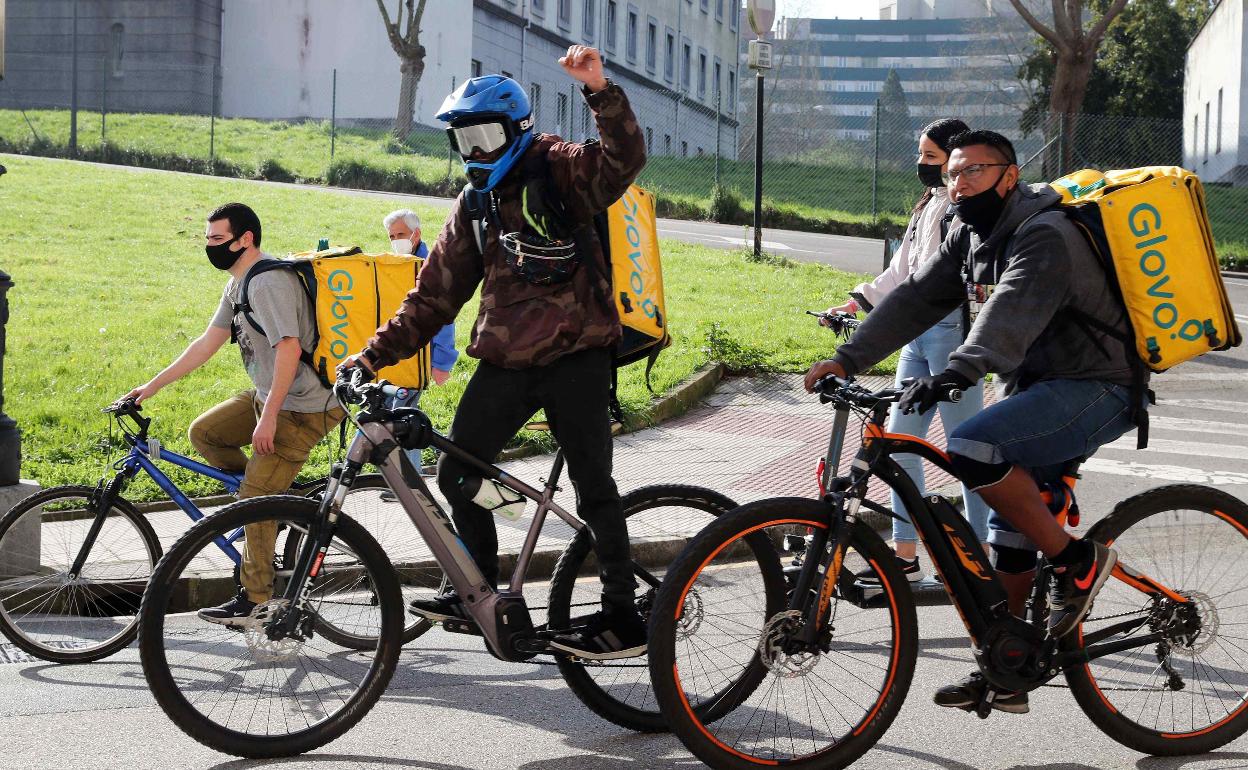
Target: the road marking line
pixel 1162 472
pixel 1190 448
pixel 1187 425
pixel 1208 404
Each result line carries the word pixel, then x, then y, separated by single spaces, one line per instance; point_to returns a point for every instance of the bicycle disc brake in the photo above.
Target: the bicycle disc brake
pixel 775 646
pixel 255 631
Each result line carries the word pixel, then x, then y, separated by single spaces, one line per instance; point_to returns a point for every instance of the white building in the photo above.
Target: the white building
pixel 1215 97
pixel 278 58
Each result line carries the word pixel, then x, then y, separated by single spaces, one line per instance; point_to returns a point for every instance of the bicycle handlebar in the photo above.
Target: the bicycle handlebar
pixel 834 389
pixel 839 323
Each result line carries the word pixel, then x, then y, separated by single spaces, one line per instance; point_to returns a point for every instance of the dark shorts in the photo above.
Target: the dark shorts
pixel 1041 429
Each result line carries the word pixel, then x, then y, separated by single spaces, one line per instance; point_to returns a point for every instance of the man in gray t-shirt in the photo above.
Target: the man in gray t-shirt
pixel 282 417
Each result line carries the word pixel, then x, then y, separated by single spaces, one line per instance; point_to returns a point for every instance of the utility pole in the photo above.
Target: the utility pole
pixel 761 14
pixel 73 89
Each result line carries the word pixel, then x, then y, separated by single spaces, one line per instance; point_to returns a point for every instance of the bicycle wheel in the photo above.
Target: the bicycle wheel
pixel 1189 693
pixel 420 576
pixel 53 614
pixel 240 691
pixel 661 521
pixel 721 632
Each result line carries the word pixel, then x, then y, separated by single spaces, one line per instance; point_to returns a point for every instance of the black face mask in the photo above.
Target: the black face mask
pixel 221 256
pixel 981 211
pixel 929 175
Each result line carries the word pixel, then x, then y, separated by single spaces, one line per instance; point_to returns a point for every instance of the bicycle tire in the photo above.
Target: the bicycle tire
pixel 1220 519
pixel 165 685
pixel 707 734
pixel 637 710
pixel 420 576
pixel 116 597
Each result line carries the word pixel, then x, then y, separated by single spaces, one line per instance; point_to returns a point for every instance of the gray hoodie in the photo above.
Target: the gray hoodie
pixel 1023 279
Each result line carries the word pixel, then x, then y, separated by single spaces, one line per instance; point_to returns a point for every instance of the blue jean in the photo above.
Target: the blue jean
pixel 1041 429
pixel 928 354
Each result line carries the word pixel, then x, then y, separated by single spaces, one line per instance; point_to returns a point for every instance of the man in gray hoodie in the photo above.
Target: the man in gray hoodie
pixel 1037 297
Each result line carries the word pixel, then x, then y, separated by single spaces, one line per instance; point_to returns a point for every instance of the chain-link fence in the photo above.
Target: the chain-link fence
pixel 829 164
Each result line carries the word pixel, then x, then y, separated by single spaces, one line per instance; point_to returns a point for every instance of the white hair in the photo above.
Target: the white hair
pixel 407 215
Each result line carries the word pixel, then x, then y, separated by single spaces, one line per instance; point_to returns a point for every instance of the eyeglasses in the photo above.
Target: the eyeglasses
pixel 971 172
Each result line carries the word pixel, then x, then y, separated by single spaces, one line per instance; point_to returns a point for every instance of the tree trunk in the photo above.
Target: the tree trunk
pixel 1070 83
pixel 411 70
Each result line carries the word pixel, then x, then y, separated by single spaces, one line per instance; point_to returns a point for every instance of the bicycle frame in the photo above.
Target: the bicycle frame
pixel 968 577
pixel 501 616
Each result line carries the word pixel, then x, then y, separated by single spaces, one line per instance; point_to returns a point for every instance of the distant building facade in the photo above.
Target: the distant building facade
pixel 1215 97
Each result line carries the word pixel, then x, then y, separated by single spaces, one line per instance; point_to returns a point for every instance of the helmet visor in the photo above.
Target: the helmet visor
pixel 484 138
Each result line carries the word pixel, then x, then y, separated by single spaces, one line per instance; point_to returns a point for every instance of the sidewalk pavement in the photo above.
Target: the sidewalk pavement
pixel 751 438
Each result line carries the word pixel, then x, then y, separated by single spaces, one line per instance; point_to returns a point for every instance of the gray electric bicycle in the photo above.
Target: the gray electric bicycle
pixel 278 686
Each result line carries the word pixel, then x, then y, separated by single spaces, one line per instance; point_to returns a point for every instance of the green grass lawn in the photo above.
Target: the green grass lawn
pixel 111 283
pixel 834 186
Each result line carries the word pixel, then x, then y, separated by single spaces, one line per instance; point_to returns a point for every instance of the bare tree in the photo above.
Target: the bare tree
pixel 404 34
pixel 1074 50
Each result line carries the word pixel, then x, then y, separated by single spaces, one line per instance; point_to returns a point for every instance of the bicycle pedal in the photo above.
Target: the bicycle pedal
pixel 462 627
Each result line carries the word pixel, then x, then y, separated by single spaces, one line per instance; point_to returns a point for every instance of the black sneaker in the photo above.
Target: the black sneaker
pixel 605 636
pixel 232 614
pixel 910 568
pixel 967 693
pixel 443 607
pixel 1076 585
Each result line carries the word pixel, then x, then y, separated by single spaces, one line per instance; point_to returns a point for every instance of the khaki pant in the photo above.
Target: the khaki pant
pixel 218 435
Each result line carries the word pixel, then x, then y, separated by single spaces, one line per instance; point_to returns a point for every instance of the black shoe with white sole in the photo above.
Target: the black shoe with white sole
pixel 232 614
pixel 868 578
pixel 966 695
pixel 604 636
pixel 441 608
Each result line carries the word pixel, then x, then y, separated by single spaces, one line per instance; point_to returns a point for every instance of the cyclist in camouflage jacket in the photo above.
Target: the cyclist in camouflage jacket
pixel 541 346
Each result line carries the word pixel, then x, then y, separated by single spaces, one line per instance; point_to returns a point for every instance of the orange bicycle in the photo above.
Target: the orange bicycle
pixel 819 668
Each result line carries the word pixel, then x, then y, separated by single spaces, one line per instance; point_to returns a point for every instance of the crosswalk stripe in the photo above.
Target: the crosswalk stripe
pixel 1208 404
pixel 1162 472
pixel 1188 425
pixel 1189 448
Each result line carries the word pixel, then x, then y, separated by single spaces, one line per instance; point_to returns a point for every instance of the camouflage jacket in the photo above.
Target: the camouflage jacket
pixel 520 324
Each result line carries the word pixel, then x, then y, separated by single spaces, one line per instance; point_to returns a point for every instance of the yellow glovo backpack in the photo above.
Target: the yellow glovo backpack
pixel 1149 228
pixel 352 293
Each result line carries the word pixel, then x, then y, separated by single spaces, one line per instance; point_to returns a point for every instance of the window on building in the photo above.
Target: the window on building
pixel 612 18
pixel 476 68
pixel 535 100
pixel 116 48
pixel 538 6
pixel 1206 132
pixel 649 140
pixel 719 10
pixel 667 144
pixel 587 20
pixel 561 114
pixel 652 44
pixel 706 6
pixel 715 84
pixel 630 37
pixel 732 92
pixel 565 13
pixel 684 149
pixel 735 11
pixel 1218 147
pixel 669 56
pixel 701 75
pixel 1195 135
pixel 686 60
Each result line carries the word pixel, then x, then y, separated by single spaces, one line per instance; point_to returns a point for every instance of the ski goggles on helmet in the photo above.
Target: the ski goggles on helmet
pixel 486 137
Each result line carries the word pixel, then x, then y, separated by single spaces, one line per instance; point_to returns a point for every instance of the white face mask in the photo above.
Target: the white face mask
pixel 402 246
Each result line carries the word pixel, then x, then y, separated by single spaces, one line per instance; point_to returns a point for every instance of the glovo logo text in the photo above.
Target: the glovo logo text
pixel 637 278
pixel 1145 222
pixel 339 284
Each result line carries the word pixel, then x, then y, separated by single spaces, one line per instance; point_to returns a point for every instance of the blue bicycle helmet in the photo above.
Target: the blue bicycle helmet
pixel 498 109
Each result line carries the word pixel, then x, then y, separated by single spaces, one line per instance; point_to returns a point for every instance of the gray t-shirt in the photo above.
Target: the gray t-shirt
pixel 280 306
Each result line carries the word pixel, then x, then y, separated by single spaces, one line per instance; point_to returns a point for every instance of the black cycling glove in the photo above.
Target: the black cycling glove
pixel 925 392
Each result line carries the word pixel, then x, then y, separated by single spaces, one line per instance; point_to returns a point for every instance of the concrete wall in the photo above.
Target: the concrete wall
pixel 524 39
pixel 279 55
pixel 1217 62
pixel 133 55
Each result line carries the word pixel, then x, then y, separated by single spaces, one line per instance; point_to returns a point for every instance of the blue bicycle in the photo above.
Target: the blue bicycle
pixel 74 560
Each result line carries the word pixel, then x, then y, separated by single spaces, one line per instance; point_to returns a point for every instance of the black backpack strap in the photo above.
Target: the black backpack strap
pixel 477 206
pixel 243 307
pixel 1140 392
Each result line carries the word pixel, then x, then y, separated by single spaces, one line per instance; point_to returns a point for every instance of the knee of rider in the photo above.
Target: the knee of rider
pixel 198 434
pixel 450 472
pixel 975 474
pixel 1012 561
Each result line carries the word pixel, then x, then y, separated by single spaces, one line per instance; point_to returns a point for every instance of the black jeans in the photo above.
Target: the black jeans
pixel 574 390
